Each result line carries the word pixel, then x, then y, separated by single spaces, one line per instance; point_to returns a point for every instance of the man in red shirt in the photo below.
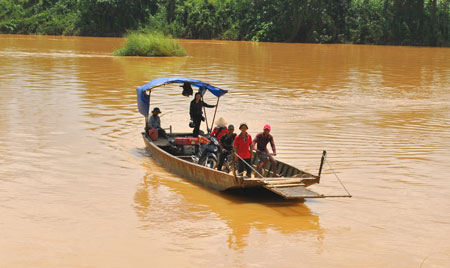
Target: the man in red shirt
pixel 261 140
pixel 243 147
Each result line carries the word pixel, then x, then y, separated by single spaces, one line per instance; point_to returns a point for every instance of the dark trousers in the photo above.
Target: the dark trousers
pixel 222 157
pixel 197 122
pixel 243 165
pixel 264 157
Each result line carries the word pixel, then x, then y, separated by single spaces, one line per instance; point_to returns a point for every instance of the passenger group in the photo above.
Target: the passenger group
pixel 241 145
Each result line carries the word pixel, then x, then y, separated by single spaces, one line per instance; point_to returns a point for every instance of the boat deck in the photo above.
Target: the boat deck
pixel 291 185
pixel 161 141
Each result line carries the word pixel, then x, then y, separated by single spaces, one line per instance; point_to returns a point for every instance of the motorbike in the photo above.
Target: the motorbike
pixel 207 153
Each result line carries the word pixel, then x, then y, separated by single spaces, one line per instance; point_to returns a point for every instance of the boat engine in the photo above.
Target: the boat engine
pixel 185 145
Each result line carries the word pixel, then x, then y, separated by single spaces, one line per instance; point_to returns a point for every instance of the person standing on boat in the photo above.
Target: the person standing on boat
pixel 220 129
pixel 226 145
pixel 196 112
pixel 243 147
pixel 261 140
pixel 154 122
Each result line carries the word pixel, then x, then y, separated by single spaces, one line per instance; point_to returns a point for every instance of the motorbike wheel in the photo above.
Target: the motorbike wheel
pixel 210 162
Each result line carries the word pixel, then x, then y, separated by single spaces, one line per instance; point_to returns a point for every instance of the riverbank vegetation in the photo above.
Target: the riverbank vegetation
pixel 394 22
pixel 147 43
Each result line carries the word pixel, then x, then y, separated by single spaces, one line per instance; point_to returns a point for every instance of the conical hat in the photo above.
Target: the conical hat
pixel 221 122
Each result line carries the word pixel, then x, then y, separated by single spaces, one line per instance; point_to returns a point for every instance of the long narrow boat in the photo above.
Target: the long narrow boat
pixel 291 185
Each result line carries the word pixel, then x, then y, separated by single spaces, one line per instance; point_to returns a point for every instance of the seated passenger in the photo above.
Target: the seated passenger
pixel 226 145
pixel 220 129
pixel 155 122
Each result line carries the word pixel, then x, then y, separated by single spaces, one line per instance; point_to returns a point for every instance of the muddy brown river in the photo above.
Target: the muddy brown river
pixel 78 189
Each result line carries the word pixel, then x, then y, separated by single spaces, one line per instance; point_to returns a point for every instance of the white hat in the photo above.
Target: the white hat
pixel 221 122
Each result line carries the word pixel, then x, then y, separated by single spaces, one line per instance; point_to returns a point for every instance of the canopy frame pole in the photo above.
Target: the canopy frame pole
pixel 148 112
pixel 215 111
pixel 206 118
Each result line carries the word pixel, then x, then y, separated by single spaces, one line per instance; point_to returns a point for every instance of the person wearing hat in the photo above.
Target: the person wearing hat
pixel 261 140
pixel 226 145
pixel 155 122
pixel 243 147
pixel 220 129
pixel 196 113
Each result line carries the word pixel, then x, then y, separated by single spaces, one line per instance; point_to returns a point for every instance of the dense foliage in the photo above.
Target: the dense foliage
pixel 150 44
pixel 402 22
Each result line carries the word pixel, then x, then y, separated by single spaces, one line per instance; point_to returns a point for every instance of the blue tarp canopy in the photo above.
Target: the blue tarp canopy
pixel 143 99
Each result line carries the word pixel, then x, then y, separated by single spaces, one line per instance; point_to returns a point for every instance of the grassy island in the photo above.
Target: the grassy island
pixel 150 44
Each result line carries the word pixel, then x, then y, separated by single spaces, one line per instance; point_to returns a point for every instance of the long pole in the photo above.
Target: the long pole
pixel 206 118
pixel 249 165
pixel 215 111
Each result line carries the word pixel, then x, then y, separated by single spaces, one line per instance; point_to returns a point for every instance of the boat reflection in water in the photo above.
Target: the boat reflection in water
pixel 164 201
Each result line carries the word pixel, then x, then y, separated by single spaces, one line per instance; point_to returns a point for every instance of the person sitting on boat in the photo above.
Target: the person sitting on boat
pixel 196 112
pixel 226 145
pixel 155 122
pixel 243 147
pixel 220 129
pixel 261 140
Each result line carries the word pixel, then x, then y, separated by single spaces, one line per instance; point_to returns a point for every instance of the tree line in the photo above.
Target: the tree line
pixel 393 22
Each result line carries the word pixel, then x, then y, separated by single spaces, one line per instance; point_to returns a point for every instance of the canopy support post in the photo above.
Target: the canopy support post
pixel 206 118
pixel 215 111
pixel 146 117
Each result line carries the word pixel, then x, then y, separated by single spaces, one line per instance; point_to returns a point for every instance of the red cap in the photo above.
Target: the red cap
pixel 267 127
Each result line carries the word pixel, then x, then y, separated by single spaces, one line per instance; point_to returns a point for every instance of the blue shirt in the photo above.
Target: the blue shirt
pixel 154 122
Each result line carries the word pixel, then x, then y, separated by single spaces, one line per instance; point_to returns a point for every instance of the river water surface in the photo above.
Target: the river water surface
pixel 78 189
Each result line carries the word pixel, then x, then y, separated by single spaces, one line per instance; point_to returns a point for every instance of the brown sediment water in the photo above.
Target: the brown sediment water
pixel 78 189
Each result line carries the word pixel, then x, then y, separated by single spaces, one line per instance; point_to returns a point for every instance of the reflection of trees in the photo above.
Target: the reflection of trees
pixel 159 199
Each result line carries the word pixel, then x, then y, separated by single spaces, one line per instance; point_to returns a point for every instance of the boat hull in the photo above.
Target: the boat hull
pixel 210 178
pixel 293 187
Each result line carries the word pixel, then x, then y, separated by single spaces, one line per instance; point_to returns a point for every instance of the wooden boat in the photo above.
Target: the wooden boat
pixel 291 185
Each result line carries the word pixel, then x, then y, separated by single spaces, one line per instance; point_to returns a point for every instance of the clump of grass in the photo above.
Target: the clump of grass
pixel 150 44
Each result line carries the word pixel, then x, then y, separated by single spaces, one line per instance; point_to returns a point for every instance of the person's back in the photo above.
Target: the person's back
pixel 218 132
pixel 220 129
